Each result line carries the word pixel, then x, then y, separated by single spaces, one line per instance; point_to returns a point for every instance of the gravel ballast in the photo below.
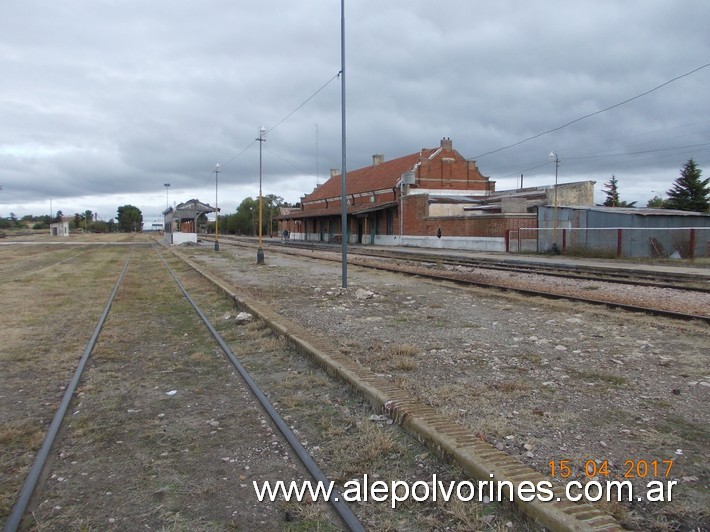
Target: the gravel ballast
pixel 545 381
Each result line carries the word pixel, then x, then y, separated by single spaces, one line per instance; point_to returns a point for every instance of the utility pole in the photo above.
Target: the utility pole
pixel 259 250
pixel 343 172
pixel 216 209
pixel 555 248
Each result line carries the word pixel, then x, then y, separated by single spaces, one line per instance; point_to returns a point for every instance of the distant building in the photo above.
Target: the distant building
pixel 59 228
pixel 182 223
pixel 154 226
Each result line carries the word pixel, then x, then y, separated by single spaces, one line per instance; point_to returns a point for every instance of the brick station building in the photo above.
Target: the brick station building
pixel 432 198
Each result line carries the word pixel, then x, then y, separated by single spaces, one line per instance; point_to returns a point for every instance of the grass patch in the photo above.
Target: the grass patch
pixel 596 376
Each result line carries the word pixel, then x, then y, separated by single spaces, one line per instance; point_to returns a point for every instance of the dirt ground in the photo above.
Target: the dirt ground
pixel 133 454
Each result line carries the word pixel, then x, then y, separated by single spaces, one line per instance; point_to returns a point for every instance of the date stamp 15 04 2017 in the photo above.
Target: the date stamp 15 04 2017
pixel 631 469
pixel 654 473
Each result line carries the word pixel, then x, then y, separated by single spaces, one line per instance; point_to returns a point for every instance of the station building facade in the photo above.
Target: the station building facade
pixel 431 198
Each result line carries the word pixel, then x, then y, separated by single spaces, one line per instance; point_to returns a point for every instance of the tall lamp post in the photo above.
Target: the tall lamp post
pixel 216 208
pixel 555 249
pixel 167 200
pixel 344 171
pixel 259 250
pixel 167 204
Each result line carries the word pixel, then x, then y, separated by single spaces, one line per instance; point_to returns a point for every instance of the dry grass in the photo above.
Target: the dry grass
pixel 371 447
pixel 402 357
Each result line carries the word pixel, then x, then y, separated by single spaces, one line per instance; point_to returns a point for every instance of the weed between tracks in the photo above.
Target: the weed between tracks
pixel 43 337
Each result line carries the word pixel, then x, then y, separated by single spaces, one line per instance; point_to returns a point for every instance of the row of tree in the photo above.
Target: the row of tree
pixel 245 221
pixel 129 219
pixel 689 192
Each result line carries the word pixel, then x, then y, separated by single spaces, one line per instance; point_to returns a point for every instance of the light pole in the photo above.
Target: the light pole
pixel 344 170
pixel 167 201
pixel 555 249
pixel 216 208
pixel 259 250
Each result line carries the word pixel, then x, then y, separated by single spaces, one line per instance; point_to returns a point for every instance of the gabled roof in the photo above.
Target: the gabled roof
pixel 190 209
pixel 194 205
pixel 375 177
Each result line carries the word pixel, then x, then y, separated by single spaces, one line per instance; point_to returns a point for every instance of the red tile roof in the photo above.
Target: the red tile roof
pixel 377 177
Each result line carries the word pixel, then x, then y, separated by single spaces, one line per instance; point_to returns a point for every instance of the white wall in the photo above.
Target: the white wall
pixel 179 238
pixel 471 243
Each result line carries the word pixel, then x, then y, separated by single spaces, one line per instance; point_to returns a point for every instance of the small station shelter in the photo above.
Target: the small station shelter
pixel 59 228
pixel 185 221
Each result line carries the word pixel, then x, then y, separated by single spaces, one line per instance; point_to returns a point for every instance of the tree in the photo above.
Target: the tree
pixel 655 202
pixel 272 203
pixel 689 192
pixel 130 219
pixel 88 219
pixel 245 219
pixel 100 226
pixel 612 194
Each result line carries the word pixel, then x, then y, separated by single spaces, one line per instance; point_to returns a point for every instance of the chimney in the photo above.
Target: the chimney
pixel 446 143
pixel 377 159
pixel 334 172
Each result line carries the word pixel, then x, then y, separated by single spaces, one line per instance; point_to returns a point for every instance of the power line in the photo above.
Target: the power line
pixel 302 104
pixel 284 118
pixel 273 154
pixel 594 113
pixel 656 150
pixel 238 154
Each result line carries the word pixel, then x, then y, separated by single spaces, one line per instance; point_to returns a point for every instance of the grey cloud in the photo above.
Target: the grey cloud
pixel 115 98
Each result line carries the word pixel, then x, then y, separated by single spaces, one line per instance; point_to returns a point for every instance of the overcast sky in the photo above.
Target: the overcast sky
pixel 103 102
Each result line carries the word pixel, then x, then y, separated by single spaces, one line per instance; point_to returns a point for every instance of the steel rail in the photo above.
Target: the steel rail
pixel 547 295
pixel 582 272
pixel 18 510
pixel 551 295
pixel 336 501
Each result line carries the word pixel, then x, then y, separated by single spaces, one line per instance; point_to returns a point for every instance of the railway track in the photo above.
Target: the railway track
pixel 411 413
pixel 63 424
pixel 463 270
pixel 580 272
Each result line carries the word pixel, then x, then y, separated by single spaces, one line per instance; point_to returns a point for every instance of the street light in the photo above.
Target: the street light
pixel 167 202
pixel 216 208
pixel 555 249
pixel 259 250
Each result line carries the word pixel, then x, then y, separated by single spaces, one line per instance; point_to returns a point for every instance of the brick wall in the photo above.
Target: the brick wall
pixel 418 222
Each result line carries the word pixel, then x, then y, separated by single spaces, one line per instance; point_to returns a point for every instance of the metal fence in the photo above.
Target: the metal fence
pixel 686 242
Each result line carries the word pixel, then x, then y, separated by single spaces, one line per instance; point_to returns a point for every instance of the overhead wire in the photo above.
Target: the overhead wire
pixel 594 113
pixel 302 104
pixel 284 118
pixel 279 157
